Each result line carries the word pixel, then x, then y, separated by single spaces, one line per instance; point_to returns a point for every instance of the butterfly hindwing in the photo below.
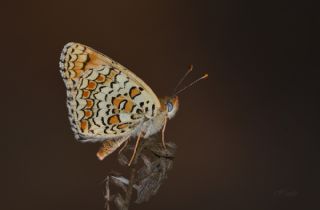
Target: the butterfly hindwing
pixel 105 100
pixel 108 103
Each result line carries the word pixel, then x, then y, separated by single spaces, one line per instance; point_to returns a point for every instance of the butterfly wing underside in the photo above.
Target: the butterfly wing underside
pixel 105 100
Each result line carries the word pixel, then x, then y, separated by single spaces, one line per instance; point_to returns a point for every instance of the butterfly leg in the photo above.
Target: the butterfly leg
pixel 163 129
pixel 124 146
pixel 135 149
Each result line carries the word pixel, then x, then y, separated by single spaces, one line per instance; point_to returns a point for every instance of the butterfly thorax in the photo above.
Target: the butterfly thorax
pixel 169 107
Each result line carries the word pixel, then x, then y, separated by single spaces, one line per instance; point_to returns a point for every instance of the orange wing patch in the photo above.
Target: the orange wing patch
pixel 117 101
pixel 101 78
pixel 87 113
pixel 114 119
pixel 89 103
pixel 76 59
pixel 102 94
pixel 129 106
pixel 84 125
pixel 123 125
pixel 111 76
pixel 91 85
pixel 85 93
pixel 123 103
pixel 134 91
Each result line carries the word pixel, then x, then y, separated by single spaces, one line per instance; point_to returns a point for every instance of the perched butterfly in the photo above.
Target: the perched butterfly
pixel 108 103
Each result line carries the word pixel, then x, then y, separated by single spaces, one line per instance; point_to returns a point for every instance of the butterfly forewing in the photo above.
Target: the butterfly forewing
pixel 105 100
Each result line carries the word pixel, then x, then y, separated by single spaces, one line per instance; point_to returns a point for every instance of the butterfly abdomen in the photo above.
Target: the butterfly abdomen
pixel 154 125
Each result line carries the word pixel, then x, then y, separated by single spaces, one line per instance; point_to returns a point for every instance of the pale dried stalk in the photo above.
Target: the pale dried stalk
pixel 147 179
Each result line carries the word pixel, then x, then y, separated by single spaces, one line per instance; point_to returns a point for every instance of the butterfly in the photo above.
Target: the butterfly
pixel 108 103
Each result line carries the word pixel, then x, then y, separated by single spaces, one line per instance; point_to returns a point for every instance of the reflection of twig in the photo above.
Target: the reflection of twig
pixel 107 196
pixel 133 174
pixel 145 180
pixel 129 189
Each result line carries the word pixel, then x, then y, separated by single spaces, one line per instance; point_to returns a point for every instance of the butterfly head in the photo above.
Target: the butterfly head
pixel 170 105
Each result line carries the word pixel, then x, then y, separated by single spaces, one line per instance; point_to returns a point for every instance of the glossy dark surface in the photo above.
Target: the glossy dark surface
pixel 247 136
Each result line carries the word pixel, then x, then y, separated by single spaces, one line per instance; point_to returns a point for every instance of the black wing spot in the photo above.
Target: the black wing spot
pixel 81 82
pixel 133 107
pixel 106 97
pixel 153 108
pixel 77 115
pixel 114 81
pixel 141 104
pixel 89 74
pixel 98 104
pixel 101 88
pixel 115 77
pixel 86 61
pixel 133 95
pixel 122 105
pixel 106 130
pixel 97 113
pixel 102 120
pixel 94 122
pixel 112 127
pixel 134 117
pixel 77 103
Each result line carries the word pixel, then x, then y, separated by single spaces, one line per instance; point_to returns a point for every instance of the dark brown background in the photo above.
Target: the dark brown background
pixel 247 137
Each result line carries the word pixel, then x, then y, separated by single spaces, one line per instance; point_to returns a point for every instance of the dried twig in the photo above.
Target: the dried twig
pixel 146 180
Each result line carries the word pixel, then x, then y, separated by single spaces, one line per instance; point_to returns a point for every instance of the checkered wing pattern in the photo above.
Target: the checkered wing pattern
pixel 105 100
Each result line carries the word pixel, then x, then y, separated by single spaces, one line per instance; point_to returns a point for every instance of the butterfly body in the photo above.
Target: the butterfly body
pixel 107 102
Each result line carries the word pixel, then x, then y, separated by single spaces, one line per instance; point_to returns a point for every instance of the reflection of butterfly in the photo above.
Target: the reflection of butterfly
pixel 107 102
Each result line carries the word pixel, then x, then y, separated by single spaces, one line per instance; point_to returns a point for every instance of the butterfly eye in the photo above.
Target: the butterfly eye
pixel 169 106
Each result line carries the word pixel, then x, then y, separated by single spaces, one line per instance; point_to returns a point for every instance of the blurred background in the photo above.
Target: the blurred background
pixel 247 137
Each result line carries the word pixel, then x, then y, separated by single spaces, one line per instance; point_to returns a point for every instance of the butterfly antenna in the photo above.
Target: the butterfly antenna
pixel 192 83
pixel 182 78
